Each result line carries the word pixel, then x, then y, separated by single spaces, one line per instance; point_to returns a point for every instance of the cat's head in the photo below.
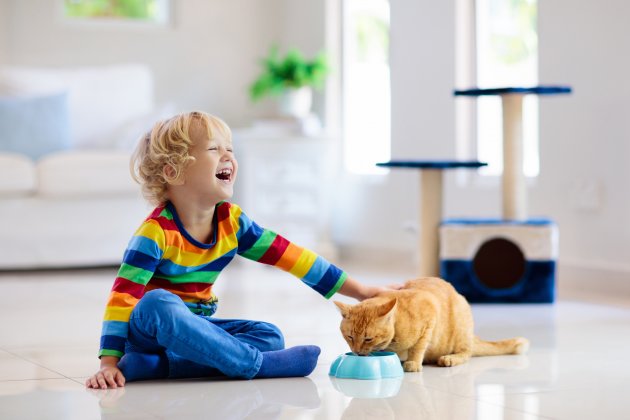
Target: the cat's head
pixel 368 326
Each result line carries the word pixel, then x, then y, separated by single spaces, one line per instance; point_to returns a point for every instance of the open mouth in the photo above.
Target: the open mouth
pixel 224 175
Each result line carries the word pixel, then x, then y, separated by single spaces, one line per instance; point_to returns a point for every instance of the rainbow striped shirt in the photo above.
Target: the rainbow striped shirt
pixel 162 255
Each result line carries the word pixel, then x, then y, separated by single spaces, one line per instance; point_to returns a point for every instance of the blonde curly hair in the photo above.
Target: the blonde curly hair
pixel 168 144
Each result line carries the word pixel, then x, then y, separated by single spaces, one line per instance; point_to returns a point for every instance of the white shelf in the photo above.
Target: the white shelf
pixel 284 183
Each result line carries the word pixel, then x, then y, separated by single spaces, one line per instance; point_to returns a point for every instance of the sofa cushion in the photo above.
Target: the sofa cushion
pixel 100 99
pixel 34 126
pixel 85 173
pixel 17 175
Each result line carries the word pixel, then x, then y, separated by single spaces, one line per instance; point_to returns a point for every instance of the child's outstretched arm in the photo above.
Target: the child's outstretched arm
pixel 353 288
pixel 259 244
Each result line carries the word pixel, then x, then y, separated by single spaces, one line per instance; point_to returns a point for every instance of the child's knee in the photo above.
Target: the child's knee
pixel 155 299
pixel 273 336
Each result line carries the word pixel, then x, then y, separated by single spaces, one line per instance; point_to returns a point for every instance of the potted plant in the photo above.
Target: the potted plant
pixel 292 78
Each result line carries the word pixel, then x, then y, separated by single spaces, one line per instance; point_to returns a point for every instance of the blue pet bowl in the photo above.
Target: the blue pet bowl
pixel 378 365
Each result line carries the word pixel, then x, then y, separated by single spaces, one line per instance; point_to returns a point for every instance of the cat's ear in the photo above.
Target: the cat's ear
pixel 387 308
pixel 343 308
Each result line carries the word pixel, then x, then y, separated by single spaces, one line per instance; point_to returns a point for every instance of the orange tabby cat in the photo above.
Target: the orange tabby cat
pixel 427 321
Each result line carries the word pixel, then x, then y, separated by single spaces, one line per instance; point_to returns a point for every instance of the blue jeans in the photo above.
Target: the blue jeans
pixel 198 345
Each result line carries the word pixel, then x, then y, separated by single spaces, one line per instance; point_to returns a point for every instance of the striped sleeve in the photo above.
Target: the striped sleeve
pixel 140 261
pixel 267 247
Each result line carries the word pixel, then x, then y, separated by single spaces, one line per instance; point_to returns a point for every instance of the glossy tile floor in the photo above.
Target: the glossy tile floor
pixel 578 366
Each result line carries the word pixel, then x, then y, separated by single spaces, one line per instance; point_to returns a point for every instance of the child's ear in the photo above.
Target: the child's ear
pixel 343 308
pixel 388 308
pixel 170 175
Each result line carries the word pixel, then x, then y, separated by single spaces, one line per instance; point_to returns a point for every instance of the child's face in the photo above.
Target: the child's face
pixel 212 174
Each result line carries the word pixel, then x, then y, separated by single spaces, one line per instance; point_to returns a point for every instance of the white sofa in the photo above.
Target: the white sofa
pixel 76 207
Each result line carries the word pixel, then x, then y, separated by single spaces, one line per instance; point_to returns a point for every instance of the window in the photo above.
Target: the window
pixel 366 87
pixel 151 11
pixel 507 55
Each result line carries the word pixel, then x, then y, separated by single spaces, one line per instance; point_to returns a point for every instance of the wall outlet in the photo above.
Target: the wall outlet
pixel 587 195
pixel 410 226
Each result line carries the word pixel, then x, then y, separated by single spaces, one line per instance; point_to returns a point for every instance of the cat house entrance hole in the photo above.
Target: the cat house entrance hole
pixel 499 263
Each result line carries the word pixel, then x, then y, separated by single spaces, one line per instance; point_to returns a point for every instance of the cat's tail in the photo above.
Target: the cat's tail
pixel 518 345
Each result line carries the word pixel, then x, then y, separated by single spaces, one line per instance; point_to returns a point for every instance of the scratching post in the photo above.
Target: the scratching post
pixel 513 181
pixel 430 218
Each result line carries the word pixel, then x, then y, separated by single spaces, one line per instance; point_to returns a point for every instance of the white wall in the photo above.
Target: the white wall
pixel 585 138
pixel 3 24
pixel 584 183
pixel 204 59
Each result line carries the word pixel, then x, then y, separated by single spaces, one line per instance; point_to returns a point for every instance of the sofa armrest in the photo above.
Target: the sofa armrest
pixel 17 175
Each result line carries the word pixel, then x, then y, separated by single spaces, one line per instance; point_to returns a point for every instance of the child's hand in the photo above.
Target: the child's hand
pixel 360 291
pixel 106 377
pixel 372 291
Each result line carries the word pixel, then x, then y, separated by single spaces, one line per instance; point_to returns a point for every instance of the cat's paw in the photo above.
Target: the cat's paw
pixel 412 367
pixel 522 345
pixel 446 361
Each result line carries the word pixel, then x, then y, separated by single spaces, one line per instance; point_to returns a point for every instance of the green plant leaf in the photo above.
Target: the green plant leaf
pixel 292 71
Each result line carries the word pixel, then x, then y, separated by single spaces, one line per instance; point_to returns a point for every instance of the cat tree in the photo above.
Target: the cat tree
pixel 511 259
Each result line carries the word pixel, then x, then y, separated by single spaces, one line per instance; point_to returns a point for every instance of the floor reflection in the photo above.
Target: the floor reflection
pixel 429 394
pixel 414 400
pixel 220 399
pixel 361 388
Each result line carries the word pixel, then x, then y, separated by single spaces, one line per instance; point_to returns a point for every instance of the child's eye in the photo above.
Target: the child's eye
pixel 213 148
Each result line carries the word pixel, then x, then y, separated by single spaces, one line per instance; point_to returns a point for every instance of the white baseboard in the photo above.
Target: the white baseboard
pixel 594 282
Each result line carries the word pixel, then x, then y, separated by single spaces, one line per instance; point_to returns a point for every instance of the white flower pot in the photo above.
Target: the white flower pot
pixel 296 102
